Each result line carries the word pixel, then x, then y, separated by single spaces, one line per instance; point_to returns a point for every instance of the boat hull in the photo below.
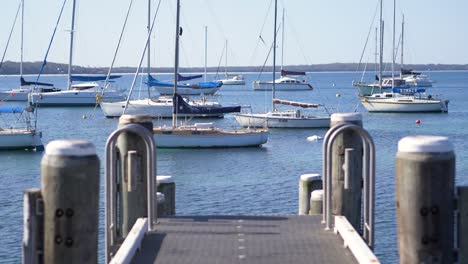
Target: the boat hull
pixel 265 120
pixel 268 86
pixel 20 139
pixel 71 98
pixel 15 95
pixel 182 90
pixel 146 107
pixel 232 82
pixel 208 138
pixel 426 106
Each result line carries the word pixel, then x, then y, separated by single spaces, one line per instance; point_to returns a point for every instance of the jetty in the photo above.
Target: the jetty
pixel 334 224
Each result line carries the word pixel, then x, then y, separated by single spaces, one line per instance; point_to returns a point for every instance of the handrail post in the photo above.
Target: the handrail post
pixel 131 144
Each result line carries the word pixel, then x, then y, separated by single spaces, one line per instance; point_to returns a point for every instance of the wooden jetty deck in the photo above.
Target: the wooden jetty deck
pixel 242 239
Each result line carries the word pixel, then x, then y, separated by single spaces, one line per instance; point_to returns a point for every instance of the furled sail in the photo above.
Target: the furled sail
pixel 183 107
pixel 297 104
pixel 293 73
pixel 92 78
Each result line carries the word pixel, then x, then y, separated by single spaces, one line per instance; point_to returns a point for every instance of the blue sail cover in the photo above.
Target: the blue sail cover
pixel 11 110
pixel 201 85
pixel 92 78
pixel 26 83
pixel 184 108
pixel 181 78
pixel 408 91
pixel 294 73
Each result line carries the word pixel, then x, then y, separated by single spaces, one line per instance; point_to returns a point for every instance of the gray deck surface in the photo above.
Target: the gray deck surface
pixel 243 239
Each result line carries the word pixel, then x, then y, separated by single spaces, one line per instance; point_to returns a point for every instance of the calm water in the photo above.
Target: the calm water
pixel 244 181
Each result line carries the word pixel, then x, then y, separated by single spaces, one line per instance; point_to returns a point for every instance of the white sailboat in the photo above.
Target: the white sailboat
pixel 402 100
pixel 230 79
pixel 18 133
pixel 160 106
pixel 287 118
pixel 84 94
pixel 21 93
pixel 202 135
pixel 289 80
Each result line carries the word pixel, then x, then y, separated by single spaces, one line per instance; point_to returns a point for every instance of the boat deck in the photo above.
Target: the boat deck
pixel 243 239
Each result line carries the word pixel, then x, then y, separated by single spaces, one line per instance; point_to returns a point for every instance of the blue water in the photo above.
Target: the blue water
pixel 244 181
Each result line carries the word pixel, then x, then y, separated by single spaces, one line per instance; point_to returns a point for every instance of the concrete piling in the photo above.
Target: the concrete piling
pixel 425 173
pixel 70 191
pixel 316 202
pixel 166 186
pixel 462 193
pixel 133 165
pixel 347 169
pixel 307 184
pixel 33 238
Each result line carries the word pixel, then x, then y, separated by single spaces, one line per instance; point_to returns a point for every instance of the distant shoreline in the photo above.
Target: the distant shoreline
pixel 12 68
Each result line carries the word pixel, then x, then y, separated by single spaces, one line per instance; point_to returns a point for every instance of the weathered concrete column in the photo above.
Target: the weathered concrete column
pixel 462 193
pixel 167 187
pixel 70 190
pixel 133 168
pixel 33 236
pixel 307 184
pixel 316 202
pixel 346 195
pixel 425 172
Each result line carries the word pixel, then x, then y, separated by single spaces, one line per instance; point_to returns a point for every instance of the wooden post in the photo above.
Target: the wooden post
pixel 166 186
pixel 33 238
pixel 347 161
pixel 425 172
pixel 70 190
pixel 307 184
pixel 316 202
pixel 462 224
pixel 132 181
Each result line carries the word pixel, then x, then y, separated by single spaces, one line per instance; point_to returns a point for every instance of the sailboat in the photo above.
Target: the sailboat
pixel 160 106
pixel 285 118
pixel 402 100
pixel 18 133
pixel 201 135
pixel 289 80
pixel 186 89
pixel 231 79
pixel 21 93
pixel 82 94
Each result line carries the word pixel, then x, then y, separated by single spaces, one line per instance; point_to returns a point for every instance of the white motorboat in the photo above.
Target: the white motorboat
pixel 284 83
pixel 395 102
pixel 418 80
pixel 202 135
pixel 234 80
pixel 19 135
pixel 386 86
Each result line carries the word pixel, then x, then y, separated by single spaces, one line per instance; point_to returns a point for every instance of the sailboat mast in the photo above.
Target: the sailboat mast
pixel 402 42
pixel 72 32
pixel 274 55
pixel 376 51
pixel 206 49
pixel 22 38
pixel 393 47
pixel 282 41
pixel 225 60
pixel 176 62
pixel 381 46
pixel 149 43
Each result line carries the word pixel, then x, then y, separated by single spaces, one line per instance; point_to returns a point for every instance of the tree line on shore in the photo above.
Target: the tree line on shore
pixel 11 68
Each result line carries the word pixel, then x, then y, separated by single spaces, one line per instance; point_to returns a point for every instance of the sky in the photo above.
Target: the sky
pixel 316 31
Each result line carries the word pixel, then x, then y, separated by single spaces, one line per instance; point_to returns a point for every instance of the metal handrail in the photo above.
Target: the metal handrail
pixel 111 185
pixel 368 168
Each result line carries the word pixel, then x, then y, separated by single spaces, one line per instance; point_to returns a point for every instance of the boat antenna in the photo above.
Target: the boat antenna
pixel 141 60
pixel 274 56
pixel 72 33
pixel 176 64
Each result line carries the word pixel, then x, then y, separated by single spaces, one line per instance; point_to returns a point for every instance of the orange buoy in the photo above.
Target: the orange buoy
pixel 418 121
